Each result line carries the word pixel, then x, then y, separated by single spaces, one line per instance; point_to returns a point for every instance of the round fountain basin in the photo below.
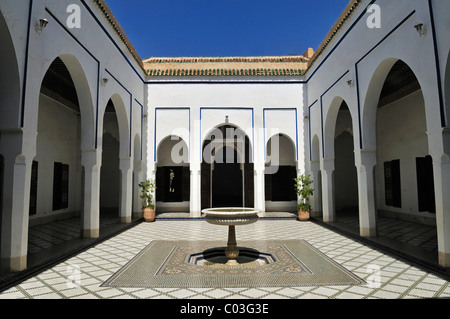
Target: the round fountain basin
pixel 231 216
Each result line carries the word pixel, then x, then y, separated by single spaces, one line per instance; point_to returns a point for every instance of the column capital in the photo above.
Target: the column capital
pixel 91 158
pixel 366 158
pixel 126 163
pixel 327 165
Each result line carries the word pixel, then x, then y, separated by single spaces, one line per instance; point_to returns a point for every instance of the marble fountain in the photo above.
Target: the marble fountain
pixel 231 217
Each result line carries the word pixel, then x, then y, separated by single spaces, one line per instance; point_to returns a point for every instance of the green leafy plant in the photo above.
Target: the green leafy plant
pixel 147 188
pixel 304 191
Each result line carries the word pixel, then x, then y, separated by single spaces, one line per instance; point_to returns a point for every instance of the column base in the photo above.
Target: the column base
pixel 328 219
pixel 195 214
pixel 444 259
pixel 367 232
pixel 15 264
pixel 91 233
pixel 125 220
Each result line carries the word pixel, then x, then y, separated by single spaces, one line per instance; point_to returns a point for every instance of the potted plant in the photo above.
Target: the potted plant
pixel 147 188
pixel 304 191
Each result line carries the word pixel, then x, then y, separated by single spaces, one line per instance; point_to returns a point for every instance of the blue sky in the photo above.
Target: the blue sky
pixel 175 28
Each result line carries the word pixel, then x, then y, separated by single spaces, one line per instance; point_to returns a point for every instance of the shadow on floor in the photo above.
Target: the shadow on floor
pixel 410 241
pixel 57 241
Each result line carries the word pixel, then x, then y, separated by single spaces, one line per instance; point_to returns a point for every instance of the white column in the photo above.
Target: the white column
pixel 317 198
pixel 328 190
pixel 195 197
pixel 91 161
pixel 195 164
pixel 259 186
pixel 126 193
pixel 365 164
pixel 441 168
pixel 137 200
pixel 16 199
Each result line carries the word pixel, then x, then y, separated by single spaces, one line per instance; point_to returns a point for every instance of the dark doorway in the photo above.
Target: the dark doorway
pixel 33 188
pixel 227 172
pixel 392 182
pixel 280 185
pixel 227 181
pixel 169 184
pixel 110 170
pixel 425 184
pixel 345 173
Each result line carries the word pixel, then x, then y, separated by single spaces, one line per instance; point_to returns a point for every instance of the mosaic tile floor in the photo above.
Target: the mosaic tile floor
pixel 287 263
pixel 81 276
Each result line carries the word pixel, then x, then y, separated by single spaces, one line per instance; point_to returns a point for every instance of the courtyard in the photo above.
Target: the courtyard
pixel 83 275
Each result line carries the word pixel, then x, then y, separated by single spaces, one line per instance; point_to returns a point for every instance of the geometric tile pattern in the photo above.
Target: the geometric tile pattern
pixel 82 275
pixel 165 264
pixel 48 235
pixel 410 233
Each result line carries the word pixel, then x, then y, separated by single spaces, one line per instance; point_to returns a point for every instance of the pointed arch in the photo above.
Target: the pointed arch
pixel 221 131
pixel 284 146
pixel 394 122
pixel 315 149
pixel 116 105
pixel 377 87
pixel 331 122
pixel 10 86
pixel 84 95
pixel 172 150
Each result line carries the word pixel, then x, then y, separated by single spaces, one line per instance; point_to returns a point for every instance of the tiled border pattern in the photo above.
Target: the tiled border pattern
pixel 162 264
pixel 97 264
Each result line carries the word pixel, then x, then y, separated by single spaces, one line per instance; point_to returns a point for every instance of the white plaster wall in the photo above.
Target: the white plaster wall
pixel 207 103
pixel 402 136
pixel 215 102
pixel 57 141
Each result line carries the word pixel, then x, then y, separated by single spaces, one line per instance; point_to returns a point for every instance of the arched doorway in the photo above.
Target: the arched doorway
pixel 227 178
pixel 110 169
pixel 345 174
pixel 137 169
pixel 340 188
pixel 316 177
pixel 56 174
pixel 10 89
pixel 9 80
pixel 172 176
pixel 404 172
pixel 395 125
pixel 281 170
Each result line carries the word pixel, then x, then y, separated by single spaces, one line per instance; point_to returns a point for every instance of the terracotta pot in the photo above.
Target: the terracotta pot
pixel 303 215
pixel 149 214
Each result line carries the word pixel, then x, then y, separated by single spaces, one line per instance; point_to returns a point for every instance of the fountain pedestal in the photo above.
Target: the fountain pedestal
pixel 232 251
pixel 231 217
